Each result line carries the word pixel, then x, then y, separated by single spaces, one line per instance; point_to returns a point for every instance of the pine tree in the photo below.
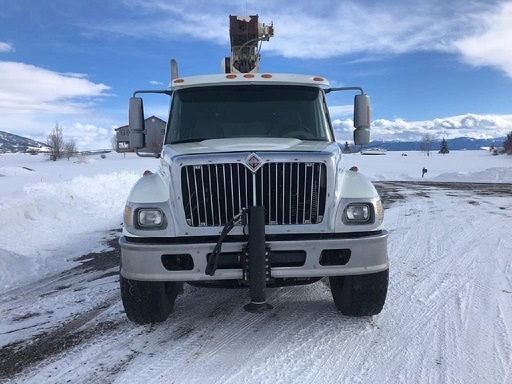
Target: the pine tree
pixel 444 147
pixel 508 144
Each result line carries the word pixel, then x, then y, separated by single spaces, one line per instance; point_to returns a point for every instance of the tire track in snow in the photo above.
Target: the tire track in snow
pixel 205 311
pixel 447 317
pixel 236 344
pixel 453 267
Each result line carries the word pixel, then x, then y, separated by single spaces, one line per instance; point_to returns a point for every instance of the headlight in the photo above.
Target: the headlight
pixel 357 213
pixel 150 218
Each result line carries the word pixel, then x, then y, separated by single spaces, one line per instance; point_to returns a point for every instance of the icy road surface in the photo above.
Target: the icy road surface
pixel 447 319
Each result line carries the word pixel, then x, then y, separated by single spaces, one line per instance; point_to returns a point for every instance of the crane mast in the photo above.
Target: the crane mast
pixel 246 35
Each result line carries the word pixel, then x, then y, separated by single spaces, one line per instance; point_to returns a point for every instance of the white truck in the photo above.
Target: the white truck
pixel 251 192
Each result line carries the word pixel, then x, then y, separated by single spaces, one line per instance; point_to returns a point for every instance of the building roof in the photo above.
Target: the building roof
pixel 149 118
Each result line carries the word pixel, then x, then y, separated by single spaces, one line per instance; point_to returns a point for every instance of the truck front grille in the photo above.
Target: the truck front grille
pixel 292 193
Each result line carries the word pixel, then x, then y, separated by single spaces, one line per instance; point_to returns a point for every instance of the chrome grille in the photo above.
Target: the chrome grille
pixel 292 193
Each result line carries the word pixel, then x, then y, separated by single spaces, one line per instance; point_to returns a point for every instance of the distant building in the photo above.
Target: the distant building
pixel 155 128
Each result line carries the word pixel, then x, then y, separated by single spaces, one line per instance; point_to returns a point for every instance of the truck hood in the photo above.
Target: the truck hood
pixel 249 144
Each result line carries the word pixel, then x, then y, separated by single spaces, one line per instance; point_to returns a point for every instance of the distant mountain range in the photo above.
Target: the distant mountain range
pixel 14 143
pixel 460 143
pixel 10 143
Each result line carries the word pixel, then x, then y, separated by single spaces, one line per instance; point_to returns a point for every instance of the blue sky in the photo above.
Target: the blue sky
pixel 437 67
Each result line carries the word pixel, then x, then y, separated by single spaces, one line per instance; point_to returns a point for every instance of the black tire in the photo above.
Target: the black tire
pixel 360 295
pixel 147 302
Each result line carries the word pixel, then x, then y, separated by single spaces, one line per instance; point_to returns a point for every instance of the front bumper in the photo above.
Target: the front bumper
pixel 143 261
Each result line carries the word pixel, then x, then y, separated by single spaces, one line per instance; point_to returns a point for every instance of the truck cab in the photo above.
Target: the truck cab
pixel 251 192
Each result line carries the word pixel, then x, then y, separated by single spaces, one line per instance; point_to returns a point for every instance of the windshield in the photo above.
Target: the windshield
pixel 248 111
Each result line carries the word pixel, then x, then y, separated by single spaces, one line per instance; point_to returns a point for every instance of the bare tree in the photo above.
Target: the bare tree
pixel 55 142
pixel 69 148
pixel 426 143
pixel 113 142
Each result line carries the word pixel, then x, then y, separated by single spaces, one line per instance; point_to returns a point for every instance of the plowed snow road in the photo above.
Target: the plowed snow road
pixel 448 317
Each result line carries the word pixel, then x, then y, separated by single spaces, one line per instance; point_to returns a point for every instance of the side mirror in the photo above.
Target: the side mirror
pixel 136 123
pixel 361 136
pixel 362 119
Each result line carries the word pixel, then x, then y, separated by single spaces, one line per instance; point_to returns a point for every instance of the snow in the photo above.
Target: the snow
pixel 448 317
pixel 457 166
pixel 48 207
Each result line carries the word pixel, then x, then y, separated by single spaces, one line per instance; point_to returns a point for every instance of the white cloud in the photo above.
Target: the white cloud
pixel 370 29
pixel 328 29
pixel 42 89
pixel 479 31
pixel 33 99
pixel 338 111
pixel 6 47
pixel 170 21
pixel 489 45
pixel 89 136
pixel 468 125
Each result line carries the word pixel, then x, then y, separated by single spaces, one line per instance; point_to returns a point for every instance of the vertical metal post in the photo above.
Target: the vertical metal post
pixel 257 263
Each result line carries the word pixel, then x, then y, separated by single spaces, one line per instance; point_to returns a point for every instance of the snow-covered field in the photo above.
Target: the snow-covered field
pixel 47 208
pixel 448 317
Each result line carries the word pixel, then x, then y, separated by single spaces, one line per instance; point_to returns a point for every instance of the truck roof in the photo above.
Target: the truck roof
pixel 248 78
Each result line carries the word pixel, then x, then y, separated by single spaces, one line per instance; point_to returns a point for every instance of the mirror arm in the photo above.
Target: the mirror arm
pixel 140 154
pixel 361 114
pixel 165 91
pixel 345 89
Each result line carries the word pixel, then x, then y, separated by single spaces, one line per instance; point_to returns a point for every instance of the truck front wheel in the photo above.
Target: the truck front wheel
pixel 147 302
pixel 360 295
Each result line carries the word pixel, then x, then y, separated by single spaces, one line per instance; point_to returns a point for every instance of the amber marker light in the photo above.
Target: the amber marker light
pixel 266 76
pixel 318 79
pixel 177 81
pixel 230 76
pixel 249 76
